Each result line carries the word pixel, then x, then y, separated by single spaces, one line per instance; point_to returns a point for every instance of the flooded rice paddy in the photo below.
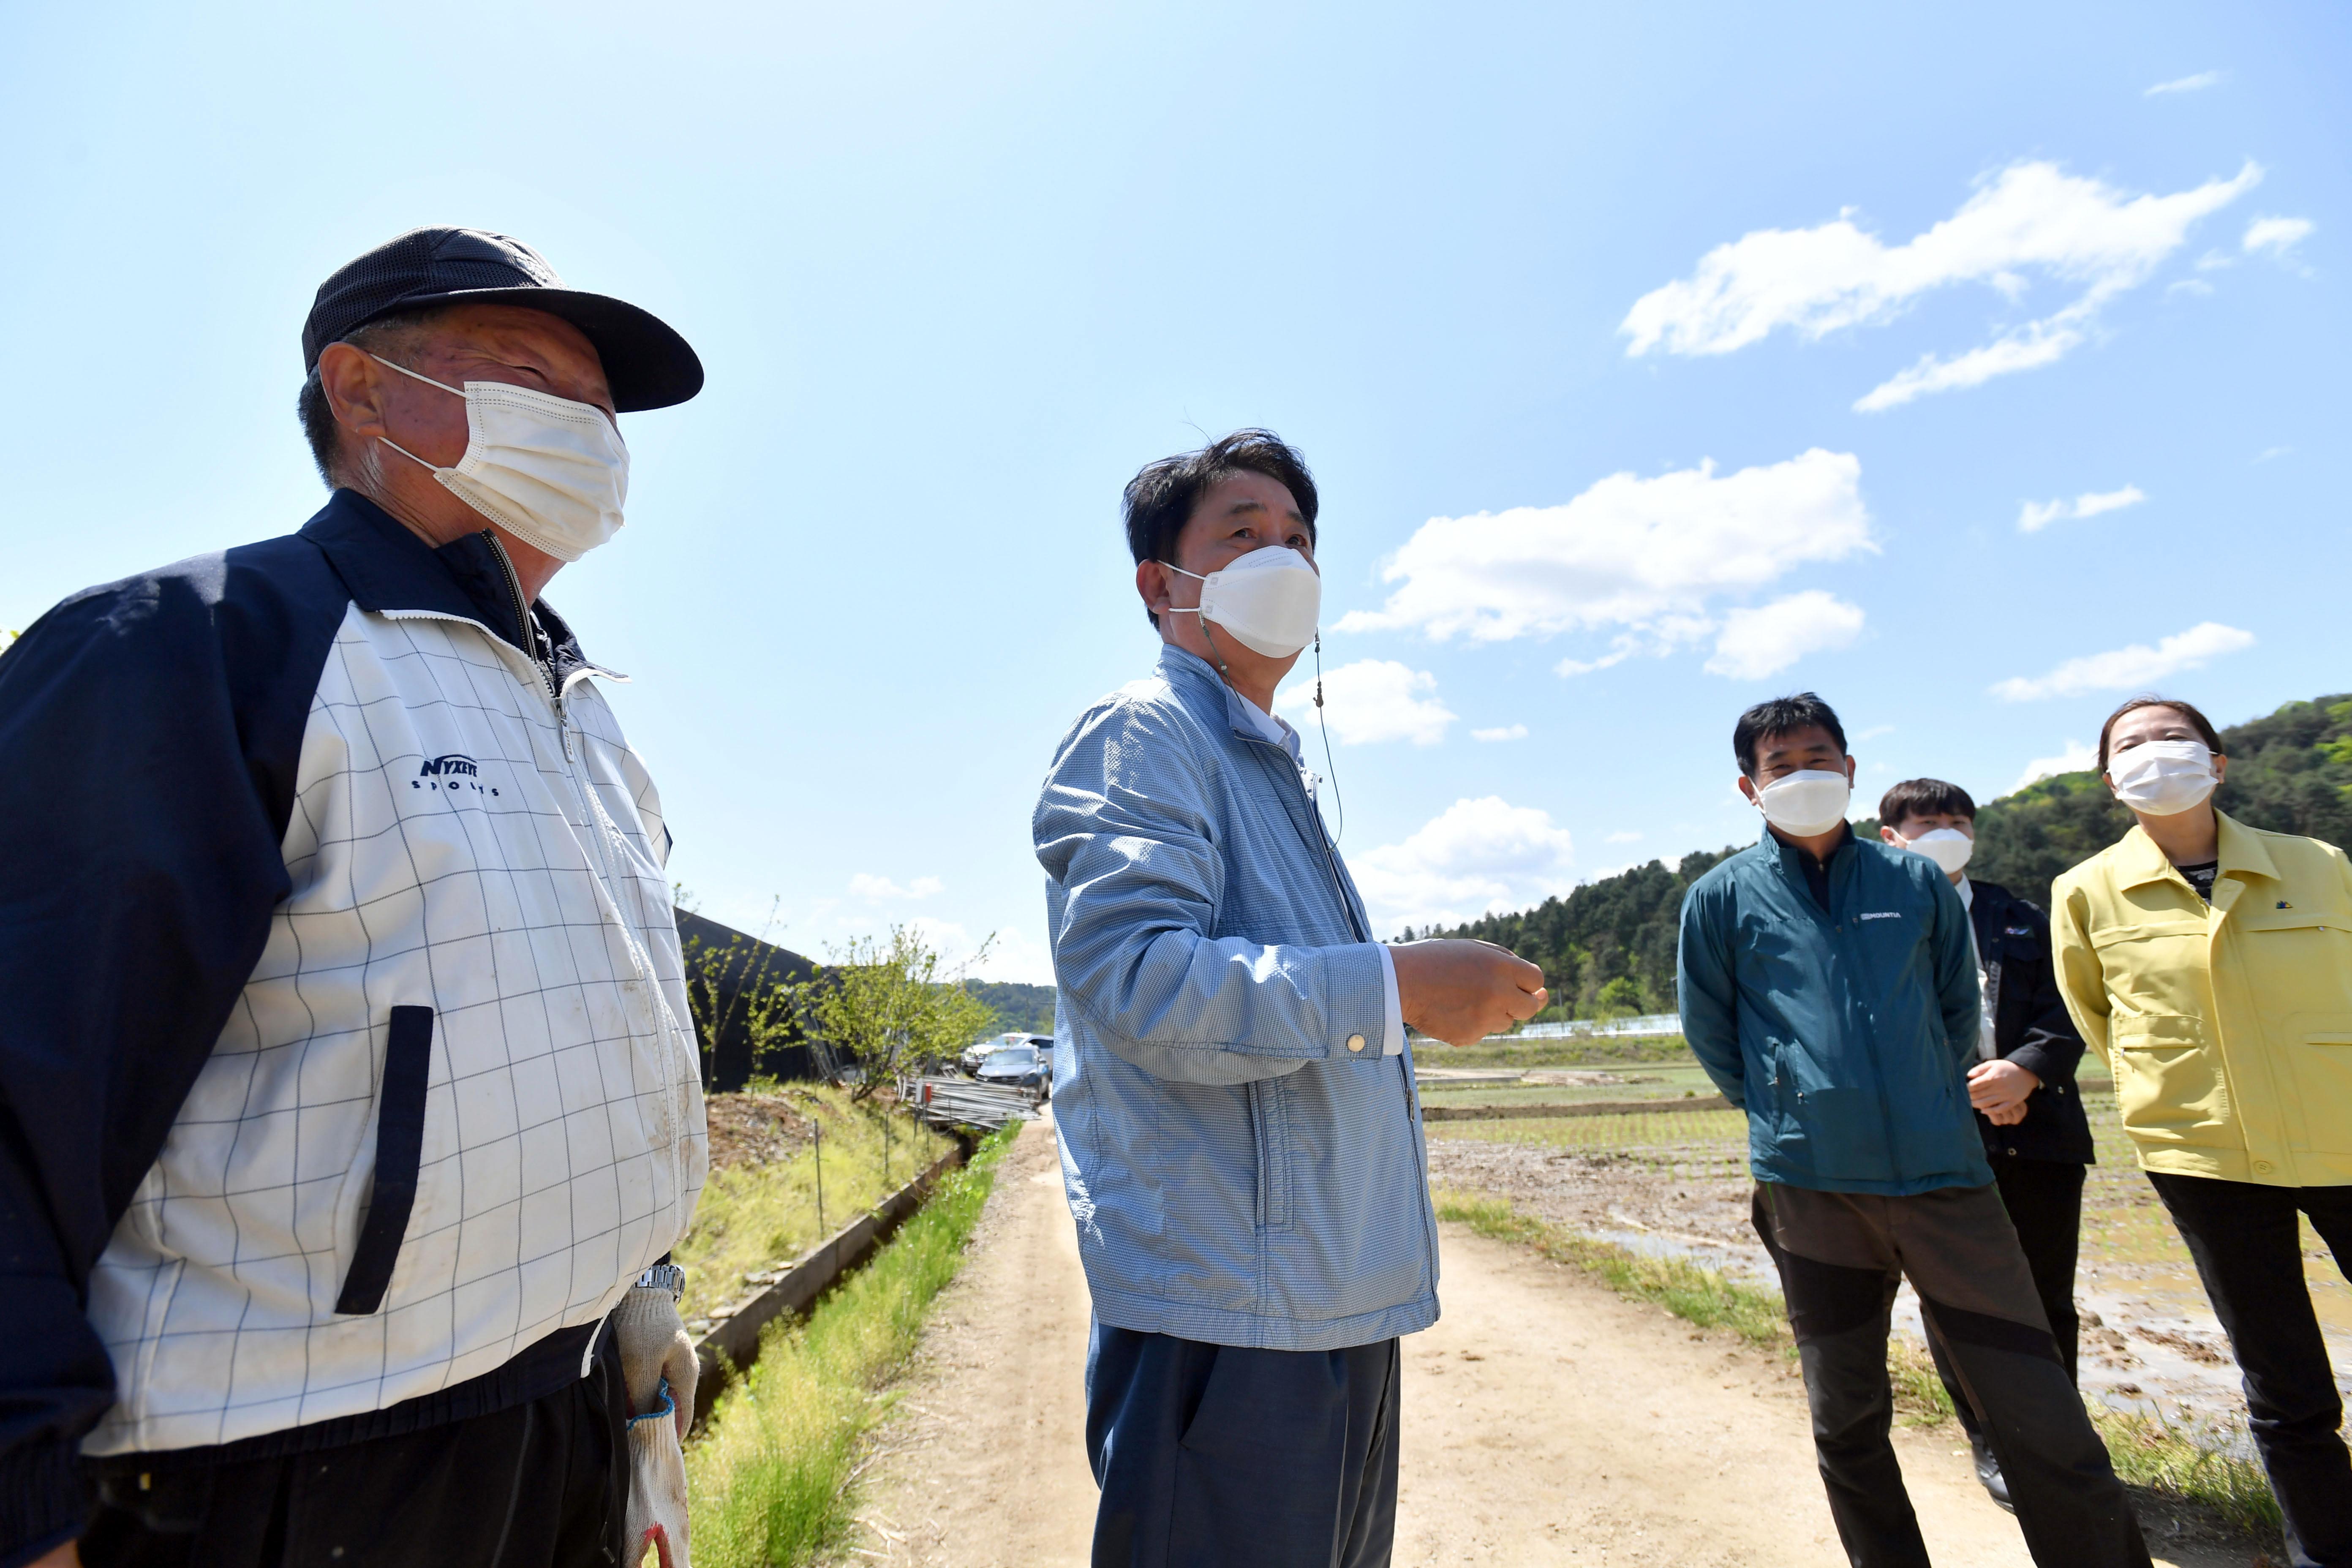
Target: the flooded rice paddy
pixel 1675 1182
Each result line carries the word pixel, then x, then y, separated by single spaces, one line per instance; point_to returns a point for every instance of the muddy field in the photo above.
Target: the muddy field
pixel 1675 1183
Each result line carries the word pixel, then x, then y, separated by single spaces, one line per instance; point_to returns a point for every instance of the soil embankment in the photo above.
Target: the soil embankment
pixel 1547 1420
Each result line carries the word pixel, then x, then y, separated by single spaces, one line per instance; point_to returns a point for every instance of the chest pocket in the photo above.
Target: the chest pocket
pixel 2156 966
pixel 2295 963
pixel 2169 1083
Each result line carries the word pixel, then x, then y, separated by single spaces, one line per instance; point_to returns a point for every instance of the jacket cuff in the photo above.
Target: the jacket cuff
pixel 2035 1060
pixel 1358 988
pixel 1392 1027
pixel 43 1503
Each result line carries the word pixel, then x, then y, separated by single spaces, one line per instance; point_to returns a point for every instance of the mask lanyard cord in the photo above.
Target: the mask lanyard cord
pixel 1325 725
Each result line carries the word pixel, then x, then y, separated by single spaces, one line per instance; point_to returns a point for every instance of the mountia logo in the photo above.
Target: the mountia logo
pixel 452 771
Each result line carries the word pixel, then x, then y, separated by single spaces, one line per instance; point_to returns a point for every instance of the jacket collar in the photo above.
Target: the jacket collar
pixel 1794 859
pixel 2139 861
pixel 1195 676
pixel 389 570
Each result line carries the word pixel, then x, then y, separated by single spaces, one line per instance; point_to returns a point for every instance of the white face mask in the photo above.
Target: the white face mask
pixel 2163 778
pixel 1270 599
pixel 550 471
pixel 1805 804
pixel 1947 846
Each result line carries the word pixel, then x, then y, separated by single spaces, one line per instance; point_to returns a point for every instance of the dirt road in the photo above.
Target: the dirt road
pixel 1546 1421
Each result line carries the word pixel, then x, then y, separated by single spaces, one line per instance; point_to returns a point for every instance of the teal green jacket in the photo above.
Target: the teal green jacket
pixel 1846 1033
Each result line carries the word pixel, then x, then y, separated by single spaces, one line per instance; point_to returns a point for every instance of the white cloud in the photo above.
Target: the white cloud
pixel 1755 643
pixel 1475 856
pixel 875 889
pixel 2030 217
pixel 2073 759
pixel 1370 700
pixel 2197 83
pixel 1631 836
pixel 1501 732
pixel 2037 515
pixel 2123 667
pixel 2267 453
pixel 2276 235
pixel 1012 953
pixel 1642 555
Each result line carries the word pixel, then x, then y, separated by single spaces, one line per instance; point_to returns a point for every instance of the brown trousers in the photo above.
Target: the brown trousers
pixel 1840 1255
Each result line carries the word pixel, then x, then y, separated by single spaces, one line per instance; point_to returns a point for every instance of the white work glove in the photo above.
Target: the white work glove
pixel 655 1349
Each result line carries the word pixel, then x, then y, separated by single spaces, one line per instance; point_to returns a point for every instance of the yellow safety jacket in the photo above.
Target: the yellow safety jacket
pixel 2229 1028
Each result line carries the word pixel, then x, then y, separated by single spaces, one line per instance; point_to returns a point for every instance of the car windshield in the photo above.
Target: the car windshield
pixel 1020 1060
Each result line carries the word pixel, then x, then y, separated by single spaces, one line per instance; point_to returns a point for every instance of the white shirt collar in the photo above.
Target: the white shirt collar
pixel 1968 892
pixel 1269 727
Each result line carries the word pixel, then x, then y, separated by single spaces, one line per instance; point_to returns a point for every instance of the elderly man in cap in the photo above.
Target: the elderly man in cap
pixel 349 1105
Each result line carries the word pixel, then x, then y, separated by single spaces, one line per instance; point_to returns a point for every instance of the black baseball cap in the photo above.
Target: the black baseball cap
pixel 646 363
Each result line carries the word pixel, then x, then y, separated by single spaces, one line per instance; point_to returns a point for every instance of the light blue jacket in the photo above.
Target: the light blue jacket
pixel 1244 1165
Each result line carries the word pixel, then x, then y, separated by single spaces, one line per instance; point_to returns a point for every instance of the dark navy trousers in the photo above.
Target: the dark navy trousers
pixel 1218 1457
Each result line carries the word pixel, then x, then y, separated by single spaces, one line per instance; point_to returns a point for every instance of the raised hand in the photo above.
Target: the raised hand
pixel 1461 991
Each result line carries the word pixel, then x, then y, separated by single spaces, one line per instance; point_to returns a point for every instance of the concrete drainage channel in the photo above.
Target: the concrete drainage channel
pixel 733 1339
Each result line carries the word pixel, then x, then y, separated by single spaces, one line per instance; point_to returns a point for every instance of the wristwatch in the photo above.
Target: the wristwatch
pixel 667 1277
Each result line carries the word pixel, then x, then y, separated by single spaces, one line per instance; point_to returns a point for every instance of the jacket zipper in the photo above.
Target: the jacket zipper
pixel 595 821
pixel 1330 862
pixel 528 629
pixel 1411 1111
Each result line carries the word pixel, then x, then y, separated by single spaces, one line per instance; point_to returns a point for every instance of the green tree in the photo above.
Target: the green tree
pixel 891 1005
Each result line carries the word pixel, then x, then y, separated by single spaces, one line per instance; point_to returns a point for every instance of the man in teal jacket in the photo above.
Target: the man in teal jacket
pixel 1827 986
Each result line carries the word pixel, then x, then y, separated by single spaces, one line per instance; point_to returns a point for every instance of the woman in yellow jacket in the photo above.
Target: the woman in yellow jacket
pixel 2211 963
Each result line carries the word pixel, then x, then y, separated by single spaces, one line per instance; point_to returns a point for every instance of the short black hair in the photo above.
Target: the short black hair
pixel 2197 721
pixel 1782 716
pixel 1924 798
pixel 1161 498
pixel 390 330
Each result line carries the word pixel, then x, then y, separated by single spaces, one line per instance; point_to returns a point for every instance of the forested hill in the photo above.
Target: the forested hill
pixel 1608 948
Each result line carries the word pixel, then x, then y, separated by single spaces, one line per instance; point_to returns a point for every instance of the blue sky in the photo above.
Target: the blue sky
pixel 1970 368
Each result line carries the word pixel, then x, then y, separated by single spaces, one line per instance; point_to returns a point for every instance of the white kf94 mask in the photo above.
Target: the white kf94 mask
pixel 1947 846
pixel 1805 803
pixel 1269 598
pixel 2163 778
pixel 550 471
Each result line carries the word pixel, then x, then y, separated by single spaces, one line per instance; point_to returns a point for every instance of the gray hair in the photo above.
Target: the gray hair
pixel 387 334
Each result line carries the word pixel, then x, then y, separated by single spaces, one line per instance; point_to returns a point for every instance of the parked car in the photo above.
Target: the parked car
pixel 1021 1066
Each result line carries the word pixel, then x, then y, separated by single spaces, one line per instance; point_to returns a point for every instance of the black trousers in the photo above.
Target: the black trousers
pixel 1218 1457
pixel 2248 1253
pixel 1840 1255
pixel 2044 1200
pixel 537 1485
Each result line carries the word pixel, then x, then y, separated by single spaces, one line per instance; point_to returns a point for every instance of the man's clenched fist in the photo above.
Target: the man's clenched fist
pixel 1462 991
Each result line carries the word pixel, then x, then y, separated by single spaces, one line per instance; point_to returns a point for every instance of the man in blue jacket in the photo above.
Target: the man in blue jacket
pixel 1828 986
pixel 1241 1137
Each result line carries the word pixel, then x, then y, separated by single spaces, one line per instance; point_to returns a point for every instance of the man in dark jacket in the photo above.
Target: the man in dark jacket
pixel 2023 1083
pixel 348 1108
pixel 1828 988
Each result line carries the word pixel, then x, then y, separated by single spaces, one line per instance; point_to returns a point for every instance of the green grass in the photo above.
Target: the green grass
pixel 2149 1451
pixel 2146 1450
pixel 1697 1295
pixel 751 1218
pixel 771 1476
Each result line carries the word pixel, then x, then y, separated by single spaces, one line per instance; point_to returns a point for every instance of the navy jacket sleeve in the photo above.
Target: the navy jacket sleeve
pixel 1955 960
pixel 1707 990
pixel 2051 1049
pixel 149 737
